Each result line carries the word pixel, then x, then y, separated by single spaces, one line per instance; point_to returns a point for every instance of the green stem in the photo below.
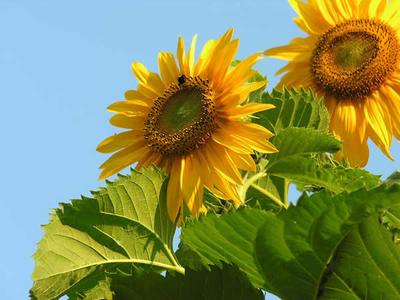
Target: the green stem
pixel 252 180
pixel 286 193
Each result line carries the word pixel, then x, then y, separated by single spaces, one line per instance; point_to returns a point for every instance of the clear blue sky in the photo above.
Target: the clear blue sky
pixel 62 63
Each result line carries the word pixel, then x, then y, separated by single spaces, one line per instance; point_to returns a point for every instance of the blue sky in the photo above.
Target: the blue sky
pixel 62 63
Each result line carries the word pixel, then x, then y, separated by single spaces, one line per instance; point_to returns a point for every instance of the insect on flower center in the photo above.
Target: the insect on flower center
pixel 182 119
pixel 353 59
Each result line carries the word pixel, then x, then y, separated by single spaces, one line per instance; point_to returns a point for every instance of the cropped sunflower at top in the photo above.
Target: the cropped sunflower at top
pixel 351 57
pixel 190 121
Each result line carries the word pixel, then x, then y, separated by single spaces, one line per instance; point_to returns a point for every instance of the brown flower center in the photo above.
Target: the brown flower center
pixel 182 119
pixel 353 59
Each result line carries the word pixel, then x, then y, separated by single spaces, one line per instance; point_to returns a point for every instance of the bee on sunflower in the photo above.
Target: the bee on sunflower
pixel 192 122
pixel 351 57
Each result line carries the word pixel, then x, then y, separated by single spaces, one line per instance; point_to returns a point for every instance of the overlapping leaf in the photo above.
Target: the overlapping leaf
pixel 312 173
pixel 124 223
pixel 225 284
pixel 293 108
pixel 229 238
pixel 312 249
pixel 296 112
pixel 332 247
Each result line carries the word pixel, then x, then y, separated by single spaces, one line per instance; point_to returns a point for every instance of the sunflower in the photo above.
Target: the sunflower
pixel 191 121
pixel 351 57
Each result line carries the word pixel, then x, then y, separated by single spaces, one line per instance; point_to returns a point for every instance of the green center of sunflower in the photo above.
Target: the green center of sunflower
pixel 353 51
pixel 182 110
pixel 182 119
pixel 354 58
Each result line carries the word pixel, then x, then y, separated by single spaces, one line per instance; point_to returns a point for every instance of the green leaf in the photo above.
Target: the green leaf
pixel 226 283
pixel 125 223
pixel 266 191
pixel 101 290
pixel 269 187
pixel 294 141
pixel 293 108
pixel 315 174
pixel 229 238
pixel 312 244
pixel 366 265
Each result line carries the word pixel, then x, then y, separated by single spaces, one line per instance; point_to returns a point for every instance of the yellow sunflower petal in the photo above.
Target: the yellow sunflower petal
pixel 120 140
pixel 217 67
pixel 379 121
pixel 392 14
pixel 221 163
pixel 248 109
pixel 192 187
pixel 234 143
pixel 222 63
pixel 204 57
pixel 129 122
pixel 347 123
pixel 150 158
pixel 168 68
pixel 227 189
pixel 174 194
pixel 122 159
pixel 310 20
pixel 293 50
pixel 357 158
pixel 180 53
pixel 132 107
pixel 134 95
pixel 392 98
pixel 228 97
pixel 344 8
pixel 327 10
pixel 376 8
pixel 378 141
pixel 190 58
pixel 242 72
pixel 148 79
pixel 242 161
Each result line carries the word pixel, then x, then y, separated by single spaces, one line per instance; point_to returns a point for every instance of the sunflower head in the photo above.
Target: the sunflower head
pixel 182 119
pixel 351 57
pixel 192 122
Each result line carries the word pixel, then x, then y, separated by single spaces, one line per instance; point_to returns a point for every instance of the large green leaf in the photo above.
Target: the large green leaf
pixel 293 108
pixel 332 247
pixel 295 141
pixel 269 186
pixel 124 223
pixel 100 290
pixel 315 174
pixel 226 283
pixel 217 283
pixel 366 265
pixel 229 238
pixel 295 163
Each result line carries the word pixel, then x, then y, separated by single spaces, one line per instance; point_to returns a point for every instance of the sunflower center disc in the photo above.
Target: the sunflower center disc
pixel 182 119
pixel 181 110
pixel 353 59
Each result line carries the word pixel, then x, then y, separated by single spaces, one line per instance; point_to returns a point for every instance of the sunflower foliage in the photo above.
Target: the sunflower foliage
pixel 339 240
pixel 118 243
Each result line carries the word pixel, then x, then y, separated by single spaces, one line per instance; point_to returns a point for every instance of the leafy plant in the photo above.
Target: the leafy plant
pixel 339 241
